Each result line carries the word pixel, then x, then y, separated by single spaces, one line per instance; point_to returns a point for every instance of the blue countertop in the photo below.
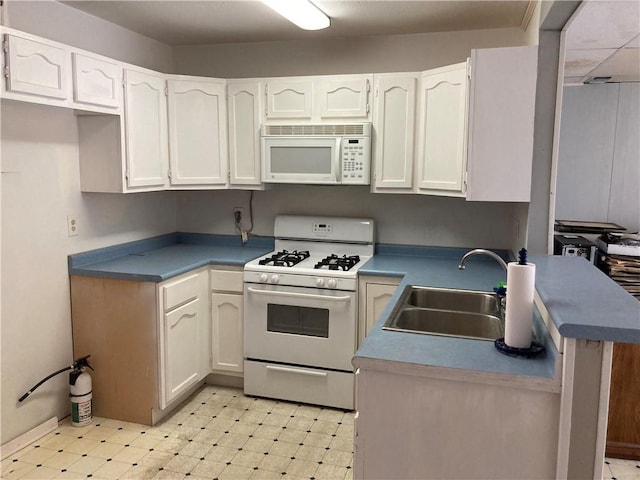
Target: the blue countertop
pixel 582 301
pixel 160 258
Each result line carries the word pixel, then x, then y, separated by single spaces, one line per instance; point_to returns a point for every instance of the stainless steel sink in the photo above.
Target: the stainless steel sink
pixel 456 300
pixel 456 313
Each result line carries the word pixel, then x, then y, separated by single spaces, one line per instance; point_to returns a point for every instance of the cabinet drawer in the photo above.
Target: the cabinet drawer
pixel 180 291
pixel 225 281
pixel 299 384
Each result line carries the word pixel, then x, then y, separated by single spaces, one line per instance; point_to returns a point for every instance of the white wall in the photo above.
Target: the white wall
pixel 598 167
pixel 391 53
pixel 40 187
pixel 400 219
pixel 55 21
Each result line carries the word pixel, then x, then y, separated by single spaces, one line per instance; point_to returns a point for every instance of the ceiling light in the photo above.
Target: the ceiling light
pixel 301 12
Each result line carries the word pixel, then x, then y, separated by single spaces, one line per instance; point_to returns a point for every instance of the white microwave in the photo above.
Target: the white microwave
pixel 317 154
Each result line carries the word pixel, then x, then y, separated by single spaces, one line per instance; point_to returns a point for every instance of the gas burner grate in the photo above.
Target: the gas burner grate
pixel 334 262
pixel 285 258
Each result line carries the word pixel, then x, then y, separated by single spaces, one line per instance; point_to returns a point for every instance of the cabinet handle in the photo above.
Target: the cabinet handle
pixel 345 298
pixel 309 373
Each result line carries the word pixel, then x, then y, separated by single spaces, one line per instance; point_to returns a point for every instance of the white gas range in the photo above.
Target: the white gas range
pixel 300 310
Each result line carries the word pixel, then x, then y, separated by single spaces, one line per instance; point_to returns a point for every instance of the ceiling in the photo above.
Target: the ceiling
pixel 602 38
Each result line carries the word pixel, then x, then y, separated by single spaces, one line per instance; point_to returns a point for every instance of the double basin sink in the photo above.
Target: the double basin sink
pixel 449 312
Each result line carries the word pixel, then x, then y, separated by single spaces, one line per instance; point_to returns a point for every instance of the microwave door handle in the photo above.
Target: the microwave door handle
pixel 309 296
pixel 338 160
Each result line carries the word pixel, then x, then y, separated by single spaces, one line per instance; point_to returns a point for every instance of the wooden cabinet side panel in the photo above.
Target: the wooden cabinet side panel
pixel 115 322
pixel 623 432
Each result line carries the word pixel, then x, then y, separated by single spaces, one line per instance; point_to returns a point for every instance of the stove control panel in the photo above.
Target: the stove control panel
pixel 284 279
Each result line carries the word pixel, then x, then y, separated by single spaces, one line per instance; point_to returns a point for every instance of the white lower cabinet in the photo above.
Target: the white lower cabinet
pixel 183 334
pixel 374 294
pixel 226 321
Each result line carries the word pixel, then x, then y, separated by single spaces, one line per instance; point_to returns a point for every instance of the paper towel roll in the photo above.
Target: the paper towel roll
pixel 519 311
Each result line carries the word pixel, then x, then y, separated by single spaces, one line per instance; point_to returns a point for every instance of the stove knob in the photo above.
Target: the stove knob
pixel 319 282
pixel 332 283
pixel 264 278
pixel 275 278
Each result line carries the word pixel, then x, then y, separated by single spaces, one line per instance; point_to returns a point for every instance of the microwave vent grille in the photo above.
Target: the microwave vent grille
pixel 317 130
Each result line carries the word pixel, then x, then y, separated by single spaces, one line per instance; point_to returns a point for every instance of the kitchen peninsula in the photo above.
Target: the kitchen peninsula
pixel 464 410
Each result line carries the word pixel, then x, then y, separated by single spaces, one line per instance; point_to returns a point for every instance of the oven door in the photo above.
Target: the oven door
pixel 300 326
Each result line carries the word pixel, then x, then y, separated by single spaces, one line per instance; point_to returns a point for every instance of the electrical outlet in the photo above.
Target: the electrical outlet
pixel 237 215
pixel 72 225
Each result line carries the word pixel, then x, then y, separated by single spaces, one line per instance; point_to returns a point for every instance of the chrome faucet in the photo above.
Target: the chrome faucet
pixel 482 251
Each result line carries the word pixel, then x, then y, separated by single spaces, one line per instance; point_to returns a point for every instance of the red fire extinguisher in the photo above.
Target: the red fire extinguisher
pixel 80 386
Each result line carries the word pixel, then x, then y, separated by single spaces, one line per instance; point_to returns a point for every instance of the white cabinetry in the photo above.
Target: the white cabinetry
pixel 341 98
pixel 183 326
pixel 289 98
pixel 394 126
pixel 36 68
pixel 452 423
pixel 96 81
pixel 442 153
pixel 344 97
pixel 374 294
pixel 226 321
pixel 502 99
pixel 197 117
pixel 244 108
pixel 147 150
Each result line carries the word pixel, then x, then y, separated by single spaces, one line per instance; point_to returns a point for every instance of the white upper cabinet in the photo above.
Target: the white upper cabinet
pixel 344 97
pixel 394 125
pixel 442 154
pixel 244 106
pixel 321 99
pixel 35 67
pixel 96 81
pixel 197 115
pixel 146 145
pixel 501 118
pixel 289 99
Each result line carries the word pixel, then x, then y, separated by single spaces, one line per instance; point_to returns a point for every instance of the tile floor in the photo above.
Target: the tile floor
pixel 217 434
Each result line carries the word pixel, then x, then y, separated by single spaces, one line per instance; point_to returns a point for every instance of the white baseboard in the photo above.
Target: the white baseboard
pixel 31 436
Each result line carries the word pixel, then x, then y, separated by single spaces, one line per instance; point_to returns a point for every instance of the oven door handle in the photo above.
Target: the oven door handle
pixel 310 296
pixel 310 373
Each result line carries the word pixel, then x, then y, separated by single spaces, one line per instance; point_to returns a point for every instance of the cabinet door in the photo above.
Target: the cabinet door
pixel 378 297
pixel 345 97
pixel 36 68
pixel 197 133
pixel 245 111
pixel 181 357
pixel 394 125
pixel 227 339
pixel 442 158
pixel 96 81
pixel 289 99
pixel 146 147
pixel 502 98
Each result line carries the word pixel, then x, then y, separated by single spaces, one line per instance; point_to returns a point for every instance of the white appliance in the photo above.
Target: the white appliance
pixel 300 310
pixel 317 154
